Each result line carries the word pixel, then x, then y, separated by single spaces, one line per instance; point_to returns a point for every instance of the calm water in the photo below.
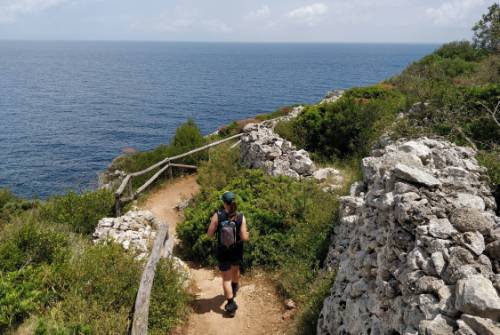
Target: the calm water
pixel 68 108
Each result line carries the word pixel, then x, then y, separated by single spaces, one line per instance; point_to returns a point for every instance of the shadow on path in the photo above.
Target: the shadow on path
pixel 202 306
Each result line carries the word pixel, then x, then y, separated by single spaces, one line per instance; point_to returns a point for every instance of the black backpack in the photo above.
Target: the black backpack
pixel 228 229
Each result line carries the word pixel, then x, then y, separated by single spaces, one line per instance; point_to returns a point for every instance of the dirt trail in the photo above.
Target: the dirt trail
pixel 260 310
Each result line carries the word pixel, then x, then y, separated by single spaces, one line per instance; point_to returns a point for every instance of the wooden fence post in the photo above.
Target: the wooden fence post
pixel 141 310
pixel 130 190
pixel 117 205
pixel 170 172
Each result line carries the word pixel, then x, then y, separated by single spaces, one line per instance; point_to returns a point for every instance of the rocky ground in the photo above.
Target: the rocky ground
pixel 417 248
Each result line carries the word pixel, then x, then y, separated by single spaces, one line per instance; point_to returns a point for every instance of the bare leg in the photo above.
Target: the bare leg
pixel 226 284
pixel 235 273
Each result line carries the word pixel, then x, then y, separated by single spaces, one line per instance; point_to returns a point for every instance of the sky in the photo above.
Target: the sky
pixel 395 21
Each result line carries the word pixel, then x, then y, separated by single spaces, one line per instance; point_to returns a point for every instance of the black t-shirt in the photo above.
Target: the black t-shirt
pixel 235 252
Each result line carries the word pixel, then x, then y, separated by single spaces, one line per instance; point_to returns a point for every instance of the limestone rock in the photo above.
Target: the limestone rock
pixel 415 175
pixel 135 230
pixel 481 326
pixel 471 219
pixel 477 296
pixel 416 246
pixel 262 148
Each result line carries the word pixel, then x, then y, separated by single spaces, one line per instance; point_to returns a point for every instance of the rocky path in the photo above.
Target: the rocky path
pixel 260 310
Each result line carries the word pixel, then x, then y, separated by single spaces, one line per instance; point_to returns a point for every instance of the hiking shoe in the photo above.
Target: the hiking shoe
pixel 235 287
pixel 231 308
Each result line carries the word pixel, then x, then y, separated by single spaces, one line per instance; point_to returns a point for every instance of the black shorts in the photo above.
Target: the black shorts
pixel 231 257
pixel 226 265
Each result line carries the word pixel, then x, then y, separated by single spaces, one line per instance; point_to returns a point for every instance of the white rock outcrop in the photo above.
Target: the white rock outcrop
pixel 135 229
pixel 416 248
pixel 262 148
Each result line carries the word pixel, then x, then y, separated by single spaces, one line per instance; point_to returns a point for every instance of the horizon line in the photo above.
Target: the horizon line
pixel 218 42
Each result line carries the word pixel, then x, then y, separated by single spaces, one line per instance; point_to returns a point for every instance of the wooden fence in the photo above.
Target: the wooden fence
pixel 165 166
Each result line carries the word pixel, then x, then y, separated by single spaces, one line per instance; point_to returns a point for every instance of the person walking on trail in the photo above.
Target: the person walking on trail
pixel 230 226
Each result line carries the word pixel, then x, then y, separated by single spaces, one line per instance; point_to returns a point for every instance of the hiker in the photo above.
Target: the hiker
pixel 230 226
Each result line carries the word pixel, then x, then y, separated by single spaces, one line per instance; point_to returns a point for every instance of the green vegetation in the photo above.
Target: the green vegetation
pixel 80 211
pixel 54 278
pixel 347 127
pixel 188 136
pixel 288 225
pixel 487 30
pixel 282 111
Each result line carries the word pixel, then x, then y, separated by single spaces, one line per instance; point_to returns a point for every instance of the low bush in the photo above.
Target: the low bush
pixel 12 206
pixel 187 137
pixel 222 167
pixel 307 319
pixel 22 292
pixel 349 126
pixel 288 130
pixel 31 243
pixel 459 49
pixel 80 211
pixel 169 299
pixel 277 113
pixel 235 127
pixel 491 160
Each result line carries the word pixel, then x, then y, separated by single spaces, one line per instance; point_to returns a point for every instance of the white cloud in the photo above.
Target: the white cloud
pixel 261 13
pixel 453 11
pixel 308 14
pixel 10 10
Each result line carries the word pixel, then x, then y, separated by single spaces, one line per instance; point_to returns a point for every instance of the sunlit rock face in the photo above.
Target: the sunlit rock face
pixel 417 246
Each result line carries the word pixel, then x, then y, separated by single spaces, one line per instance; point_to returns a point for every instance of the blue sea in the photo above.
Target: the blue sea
pixel 68 108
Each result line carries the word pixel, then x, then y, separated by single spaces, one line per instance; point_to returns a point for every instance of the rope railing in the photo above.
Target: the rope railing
pixel 165 165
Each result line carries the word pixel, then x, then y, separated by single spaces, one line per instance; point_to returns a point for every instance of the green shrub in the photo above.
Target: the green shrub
pixel 350 125
pixel 76 315
pixel 289 131
pixel 187 137
pixel 222 167
pixel 6 196
pixel 80 211
pixel 491 160
pixel 102 273
pixel 168 299
pixel 31 243
pixel 12 206
pixel 307 318
pixel 277 113
pixel 460 49
pixel 21 293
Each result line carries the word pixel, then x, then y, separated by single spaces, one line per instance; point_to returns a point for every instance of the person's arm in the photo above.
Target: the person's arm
pixel 213 225
pixel 244 235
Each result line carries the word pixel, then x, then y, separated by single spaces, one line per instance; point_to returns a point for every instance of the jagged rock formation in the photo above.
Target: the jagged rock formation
pixel 262 148
pixel 417 246
pixel 135 229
